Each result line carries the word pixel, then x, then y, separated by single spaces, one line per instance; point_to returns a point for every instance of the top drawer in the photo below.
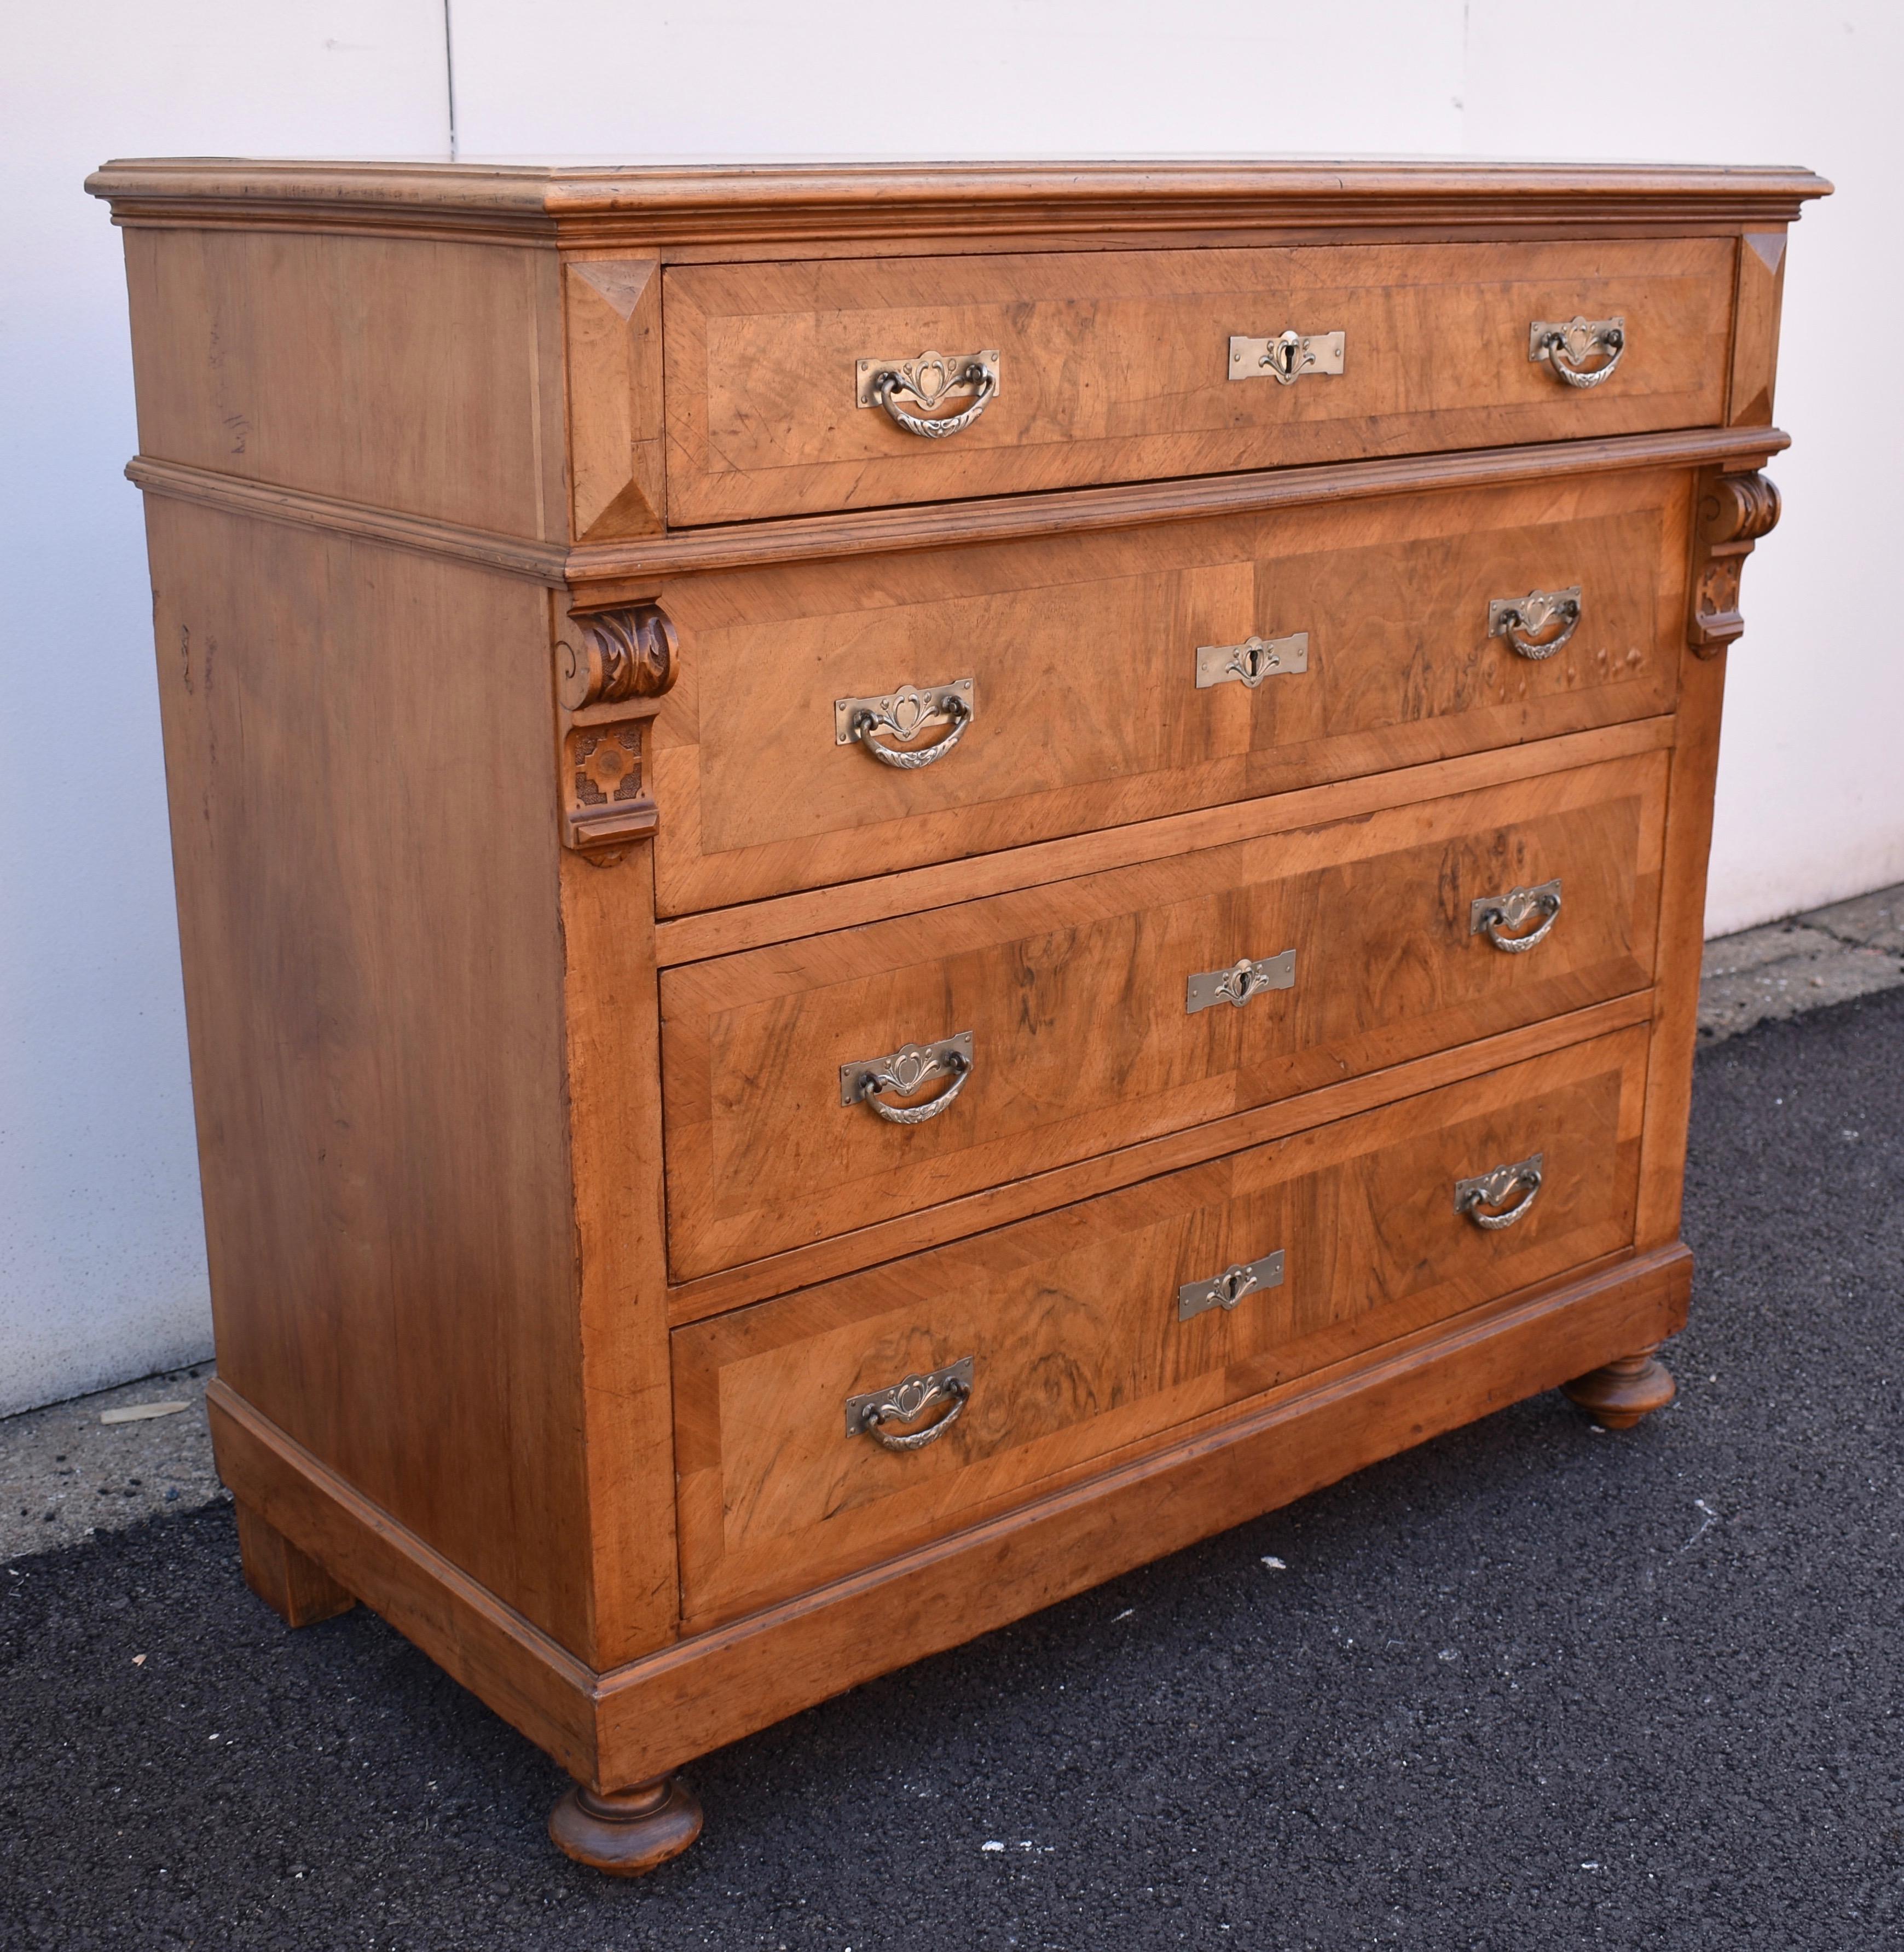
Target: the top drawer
pixel 1115 366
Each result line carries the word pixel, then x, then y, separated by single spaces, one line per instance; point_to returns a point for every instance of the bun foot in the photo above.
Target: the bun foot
pixel 1625 1390
pixel 628 1832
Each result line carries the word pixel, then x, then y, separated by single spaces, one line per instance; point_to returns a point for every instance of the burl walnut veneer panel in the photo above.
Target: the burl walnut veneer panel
pixel 1115 367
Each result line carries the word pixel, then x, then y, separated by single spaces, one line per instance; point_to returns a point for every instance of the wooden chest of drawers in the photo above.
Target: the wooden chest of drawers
pixel 900 885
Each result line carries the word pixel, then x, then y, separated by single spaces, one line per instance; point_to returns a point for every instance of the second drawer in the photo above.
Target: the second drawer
pixel 1074 1336
pixel 1068 1020
pixel 1110 678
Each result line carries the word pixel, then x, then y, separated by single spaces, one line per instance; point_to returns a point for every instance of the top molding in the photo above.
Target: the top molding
pixel 768 203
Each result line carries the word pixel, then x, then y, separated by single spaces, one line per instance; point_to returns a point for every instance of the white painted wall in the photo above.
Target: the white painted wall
pixel 101 1259
pixel 102 1244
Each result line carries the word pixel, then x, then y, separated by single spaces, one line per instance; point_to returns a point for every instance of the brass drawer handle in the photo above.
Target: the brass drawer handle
pixel 904 715
pixel 930 378
pixel 1491 1189
pixel 1249 662
pixel 1241 981
pixel 1522 619
pixel 904 1072
pixel 905 1403
pixel 1564 346
pixel 1193 1298
pixel 1496 914
pixel 1287 357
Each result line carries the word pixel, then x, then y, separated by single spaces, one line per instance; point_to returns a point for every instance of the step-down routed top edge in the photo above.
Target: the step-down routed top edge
pixel 723 201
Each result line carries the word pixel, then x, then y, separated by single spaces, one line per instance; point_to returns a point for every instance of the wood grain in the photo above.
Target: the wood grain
pixel 695 938
pixel 297 1589
pixel 358 749
pixel 1682 919
pixel 528 1677
pixel 417 377
pixel 543 1253
pixel 611 1026
pixel 1075 994
pixel 811 207
pixel 1115 367
pixel 264 500
pixel 630 571
pixel 1037 1192
pixel 1072 1319
pixel 643 1719
pixel 1755 334
pixel 1083 652
pixel 661 1711
pixel 611 317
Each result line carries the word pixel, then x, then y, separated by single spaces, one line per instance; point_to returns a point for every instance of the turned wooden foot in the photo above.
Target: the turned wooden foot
pixel 627 1832
pixel 1625 1390
pixel 288 1582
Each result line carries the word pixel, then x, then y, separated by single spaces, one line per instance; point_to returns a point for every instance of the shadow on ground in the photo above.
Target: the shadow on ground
pixel 1530 1685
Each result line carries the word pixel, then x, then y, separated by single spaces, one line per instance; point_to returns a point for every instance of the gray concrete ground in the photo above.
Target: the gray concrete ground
pixel 65 1475
pixel 1532 1684
pixel 1851 949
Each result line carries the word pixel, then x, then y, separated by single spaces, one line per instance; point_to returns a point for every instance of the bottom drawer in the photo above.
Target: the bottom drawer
pixel 1100 1325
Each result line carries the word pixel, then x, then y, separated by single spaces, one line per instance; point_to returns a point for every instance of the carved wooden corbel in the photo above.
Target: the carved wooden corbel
pixel 1734 510
pixel 612 669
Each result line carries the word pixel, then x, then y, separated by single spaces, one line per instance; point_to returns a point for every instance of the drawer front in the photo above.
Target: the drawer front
pixel 1115 366
pixel 1082 658
pixel 1073 1322
pixel 1076 997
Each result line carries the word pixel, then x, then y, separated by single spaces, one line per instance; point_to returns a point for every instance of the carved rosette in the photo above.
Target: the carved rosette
pixel 1734 510
pixel 612 669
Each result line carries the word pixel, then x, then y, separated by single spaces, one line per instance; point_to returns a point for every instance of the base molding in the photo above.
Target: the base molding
pixel 637 1722
pixel 532 1681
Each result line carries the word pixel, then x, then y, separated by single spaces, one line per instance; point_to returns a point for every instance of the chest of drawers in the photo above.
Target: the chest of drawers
pixel 899 886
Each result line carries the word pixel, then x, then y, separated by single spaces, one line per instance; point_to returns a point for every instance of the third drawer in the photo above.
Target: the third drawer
pixel 1063 1020
pixel 1071 1332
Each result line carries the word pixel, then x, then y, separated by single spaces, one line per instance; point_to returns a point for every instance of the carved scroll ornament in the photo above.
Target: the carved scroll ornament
pixel 612 666
pixel 1734 510
pixel 624 654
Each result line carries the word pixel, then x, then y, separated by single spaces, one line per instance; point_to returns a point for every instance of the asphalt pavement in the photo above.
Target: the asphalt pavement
pixel 1532 1685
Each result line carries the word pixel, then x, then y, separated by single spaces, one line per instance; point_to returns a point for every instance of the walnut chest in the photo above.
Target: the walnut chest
pixel 900 885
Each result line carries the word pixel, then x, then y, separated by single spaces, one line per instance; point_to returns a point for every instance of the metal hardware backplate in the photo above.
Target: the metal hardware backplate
pixel 1514 909
pixel 904 713
pixel 1230 1286
pixel 1533 612
pixel 1241 982
pixel 1580 338
pixel 1489 1189
pixel 1304 353
pixel 1252 661
pixel 931 377
pixel 902 1403
pixel 907 1069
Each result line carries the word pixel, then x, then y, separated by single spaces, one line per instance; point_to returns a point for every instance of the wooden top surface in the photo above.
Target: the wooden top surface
pixel 738 201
